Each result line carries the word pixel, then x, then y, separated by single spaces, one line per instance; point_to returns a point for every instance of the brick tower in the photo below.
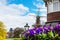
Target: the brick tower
pixel 53 11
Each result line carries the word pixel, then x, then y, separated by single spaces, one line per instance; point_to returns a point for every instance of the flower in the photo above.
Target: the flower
pixel 34 28
pixel 39 30
pixel 31 32
pixel 1 38
pixel 46 30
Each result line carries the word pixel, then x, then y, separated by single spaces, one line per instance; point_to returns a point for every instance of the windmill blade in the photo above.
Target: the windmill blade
pixel 43 16
pixel 32 15
pixel 35 16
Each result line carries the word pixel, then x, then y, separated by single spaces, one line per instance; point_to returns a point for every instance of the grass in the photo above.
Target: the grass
pixel 14 39
pixel 9 39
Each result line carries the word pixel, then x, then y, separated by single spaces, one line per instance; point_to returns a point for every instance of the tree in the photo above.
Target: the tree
pixel 2 31
pixel 17 32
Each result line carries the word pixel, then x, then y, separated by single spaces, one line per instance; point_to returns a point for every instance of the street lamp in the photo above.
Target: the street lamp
pixel 26 27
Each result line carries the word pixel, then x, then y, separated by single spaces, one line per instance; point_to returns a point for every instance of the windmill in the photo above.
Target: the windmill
pixel 38 17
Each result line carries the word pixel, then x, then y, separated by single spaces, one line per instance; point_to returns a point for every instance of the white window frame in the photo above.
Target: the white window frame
pixel 49 7
pixel 53 5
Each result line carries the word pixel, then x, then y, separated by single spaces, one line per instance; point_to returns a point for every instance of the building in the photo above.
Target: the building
pixel 53 11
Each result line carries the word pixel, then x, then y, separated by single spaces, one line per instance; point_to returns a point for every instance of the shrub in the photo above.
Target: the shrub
pixel 2 31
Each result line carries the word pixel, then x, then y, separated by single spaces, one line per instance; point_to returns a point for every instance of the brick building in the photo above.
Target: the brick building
pixel 53 11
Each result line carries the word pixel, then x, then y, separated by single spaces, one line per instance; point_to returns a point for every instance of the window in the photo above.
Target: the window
pixel 49 7
pixel 55 6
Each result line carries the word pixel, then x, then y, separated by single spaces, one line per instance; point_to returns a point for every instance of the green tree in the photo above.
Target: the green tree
pixel 17 32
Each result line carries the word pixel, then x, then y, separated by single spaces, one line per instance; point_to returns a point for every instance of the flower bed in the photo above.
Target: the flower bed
pixel 43 33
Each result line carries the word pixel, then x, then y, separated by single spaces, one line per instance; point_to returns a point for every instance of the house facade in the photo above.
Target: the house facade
pixel 53 11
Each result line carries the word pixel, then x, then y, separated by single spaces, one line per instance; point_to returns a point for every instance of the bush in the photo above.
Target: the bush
pixel 2 31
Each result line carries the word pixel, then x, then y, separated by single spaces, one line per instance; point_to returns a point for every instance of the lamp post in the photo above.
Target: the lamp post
pixel 26 27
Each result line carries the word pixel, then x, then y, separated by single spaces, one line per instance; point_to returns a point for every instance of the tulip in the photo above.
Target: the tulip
pixel 31 32
pixel 42 32
pixel 45 30
pixel 34 28
pixel 39 30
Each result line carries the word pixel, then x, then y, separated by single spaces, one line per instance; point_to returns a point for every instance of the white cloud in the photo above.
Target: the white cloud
pixel 3 2
pixel 10 15
pixel 31 14
pixel 41 6
pixel 17 21
pixel 20 7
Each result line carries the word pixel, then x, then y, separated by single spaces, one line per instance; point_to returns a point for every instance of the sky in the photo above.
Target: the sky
pixel 16 13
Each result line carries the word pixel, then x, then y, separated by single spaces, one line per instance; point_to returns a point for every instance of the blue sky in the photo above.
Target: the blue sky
pixel 27 3
pixel 16 13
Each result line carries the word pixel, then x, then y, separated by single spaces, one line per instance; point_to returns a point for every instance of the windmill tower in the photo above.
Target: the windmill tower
pixel 38 17
pixel 53 11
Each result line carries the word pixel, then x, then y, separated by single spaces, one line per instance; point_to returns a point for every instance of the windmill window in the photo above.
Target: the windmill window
pixel 55 6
